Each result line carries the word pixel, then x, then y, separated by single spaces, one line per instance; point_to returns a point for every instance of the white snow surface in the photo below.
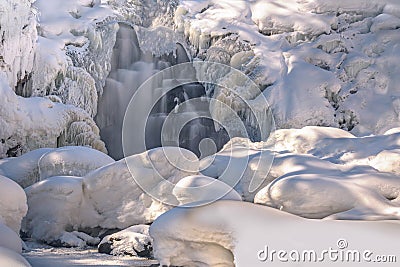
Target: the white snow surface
pixel 13 205
pixel 30 123
pixel 42 163
pixel 200 190
pixel 315 172
pixel 214 235
pixel 11 258
pixel 326 63
pixel 72 161
pixel 108 197
pixel 10 239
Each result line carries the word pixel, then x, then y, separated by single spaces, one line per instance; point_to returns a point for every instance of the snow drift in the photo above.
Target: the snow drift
pixel 213 235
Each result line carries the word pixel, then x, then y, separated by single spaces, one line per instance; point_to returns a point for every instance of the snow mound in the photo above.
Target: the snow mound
pixel 133 241
pixel 12 203
pixel 241 164
pixel 10 239
pixel 213 235
pixel 108 198
pixel 116 190
pixel 319 171
pixel 11 258
pixel 71 161
pixel 23 169
pixel 340 147
pixel 54 205
pixel 199 189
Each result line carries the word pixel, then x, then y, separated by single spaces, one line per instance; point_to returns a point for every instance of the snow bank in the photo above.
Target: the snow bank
pixel 213 235
pixel 122 202
pixel 133 241
pixel 12 203
pixel 11 258
pixel 109 197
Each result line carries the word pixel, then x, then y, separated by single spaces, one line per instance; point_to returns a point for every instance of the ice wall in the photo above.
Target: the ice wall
pixel 18 37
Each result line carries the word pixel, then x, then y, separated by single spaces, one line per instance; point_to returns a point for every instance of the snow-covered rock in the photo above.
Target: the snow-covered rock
pixel 13 205
pixel 137 189
pixel 242 165
pixel 10 239
pixel 232 233
pixel 54 205
pixel 201 190
pixel 24 169
pixel 11 258
pixel 134 190
pixel 133 241
pixel 30 123
pixel 73 56
pixel 71 161
pixel 347 49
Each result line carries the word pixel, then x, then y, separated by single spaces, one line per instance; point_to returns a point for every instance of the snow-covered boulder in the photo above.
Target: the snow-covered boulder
pixel 11 258
pixel 10 239
pixel 214 235
pixel 359 193
pixel 23 169
pixel 201 190
pixel 116 191
pixel 13 205
pixel 110 197
pixel 71 161
pixel 42 163
pixel 54 205
pixel 133 241
pixel 240 164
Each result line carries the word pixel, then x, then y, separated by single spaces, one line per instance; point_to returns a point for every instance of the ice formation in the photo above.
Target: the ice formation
pixel 347 49
pixel 191 237
pixel 39 122
pixel 18 37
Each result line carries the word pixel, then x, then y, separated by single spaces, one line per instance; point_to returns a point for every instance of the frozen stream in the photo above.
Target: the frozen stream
pixel 45 256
